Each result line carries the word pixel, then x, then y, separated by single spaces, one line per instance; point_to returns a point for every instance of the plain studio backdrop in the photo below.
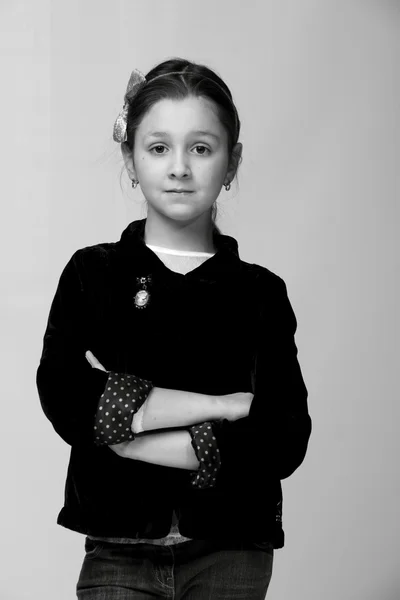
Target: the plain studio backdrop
pixel 316 84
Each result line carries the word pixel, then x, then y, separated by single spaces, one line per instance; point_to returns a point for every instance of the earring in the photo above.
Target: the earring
pixel 227 186
pixel 134 183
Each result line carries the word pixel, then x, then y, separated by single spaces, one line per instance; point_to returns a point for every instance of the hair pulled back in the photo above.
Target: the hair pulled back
pixel 177 79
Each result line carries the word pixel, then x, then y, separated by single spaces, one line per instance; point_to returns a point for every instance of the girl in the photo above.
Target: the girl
pixel 169 366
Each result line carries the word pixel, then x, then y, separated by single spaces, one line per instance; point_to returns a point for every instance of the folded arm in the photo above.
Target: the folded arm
pixel 169 448
pixel 195 448
pixel 165 408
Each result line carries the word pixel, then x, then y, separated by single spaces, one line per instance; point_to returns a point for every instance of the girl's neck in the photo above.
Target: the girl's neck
pixel 179 235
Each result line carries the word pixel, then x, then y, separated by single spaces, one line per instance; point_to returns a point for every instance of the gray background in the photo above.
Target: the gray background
pixel 317 88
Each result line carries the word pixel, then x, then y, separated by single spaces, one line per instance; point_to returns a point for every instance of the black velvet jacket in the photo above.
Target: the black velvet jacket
pixel 226 326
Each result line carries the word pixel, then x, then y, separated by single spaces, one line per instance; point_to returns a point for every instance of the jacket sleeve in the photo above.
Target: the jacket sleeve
pixel 71 391
pixel 204 444
pixel 123 396
pixel 273 438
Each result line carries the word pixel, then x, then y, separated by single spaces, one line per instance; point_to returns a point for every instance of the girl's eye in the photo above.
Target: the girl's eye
pixel 203 148
pixel 162 148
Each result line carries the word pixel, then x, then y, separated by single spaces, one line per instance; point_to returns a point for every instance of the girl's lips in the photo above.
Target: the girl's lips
pixel 180 193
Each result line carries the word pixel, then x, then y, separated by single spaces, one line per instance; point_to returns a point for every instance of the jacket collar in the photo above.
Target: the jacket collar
pixel 225 261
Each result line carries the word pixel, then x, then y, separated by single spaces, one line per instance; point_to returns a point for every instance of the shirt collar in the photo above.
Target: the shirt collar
pixel 225 261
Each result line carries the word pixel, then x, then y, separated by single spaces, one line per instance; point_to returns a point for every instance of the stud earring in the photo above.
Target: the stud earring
pixel 227 186
pixel 134 183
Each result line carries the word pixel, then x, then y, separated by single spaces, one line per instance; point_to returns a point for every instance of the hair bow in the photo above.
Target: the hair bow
pixel 135 81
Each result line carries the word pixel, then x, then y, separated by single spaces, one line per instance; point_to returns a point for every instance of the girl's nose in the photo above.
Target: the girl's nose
pixel 179 166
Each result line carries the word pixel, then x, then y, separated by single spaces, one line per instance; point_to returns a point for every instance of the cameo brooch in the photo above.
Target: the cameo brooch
pixel 142 297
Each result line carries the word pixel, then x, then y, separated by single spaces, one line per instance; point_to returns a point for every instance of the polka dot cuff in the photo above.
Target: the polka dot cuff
pixel 205 446
pixel 123 396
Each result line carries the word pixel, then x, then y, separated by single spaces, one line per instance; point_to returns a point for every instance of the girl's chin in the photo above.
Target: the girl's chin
pixel 181 213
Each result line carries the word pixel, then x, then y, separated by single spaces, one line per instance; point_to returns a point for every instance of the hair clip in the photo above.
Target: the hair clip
pixel 135 82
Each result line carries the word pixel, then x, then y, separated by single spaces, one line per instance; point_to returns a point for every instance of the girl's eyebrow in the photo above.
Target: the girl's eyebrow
pixel 197 132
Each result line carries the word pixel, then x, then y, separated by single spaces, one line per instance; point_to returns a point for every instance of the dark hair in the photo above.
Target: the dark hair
pixel 182 79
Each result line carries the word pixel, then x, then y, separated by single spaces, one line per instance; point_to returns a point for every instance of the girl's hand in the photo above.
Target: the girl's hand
pixel 236 406
pixel 93 361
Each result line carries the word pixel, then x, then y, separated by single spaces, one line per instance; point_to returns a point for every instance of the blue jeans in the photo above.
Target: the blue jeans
pixel 192 570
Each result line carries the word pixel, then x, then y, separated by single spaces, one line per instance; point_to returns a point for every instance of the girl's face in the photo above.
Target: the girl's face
pixel 181 145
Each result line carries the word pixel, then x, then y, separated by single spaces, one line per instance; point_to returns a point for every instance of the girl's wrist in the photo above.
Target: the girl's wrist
pixel 221 408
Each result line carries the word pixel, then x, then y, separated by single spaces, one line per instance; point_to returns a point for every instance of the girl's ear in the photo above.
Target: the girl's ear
pixel 128 160
pixel 234 162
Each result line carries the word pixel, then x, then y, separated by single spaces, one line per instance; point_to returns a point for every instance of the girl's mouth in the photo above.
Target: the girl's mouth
pixel 180 193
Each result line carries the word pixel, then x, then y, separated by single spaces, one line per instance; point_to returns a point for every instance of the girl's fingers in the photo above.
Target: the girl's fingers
pixel 93 361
